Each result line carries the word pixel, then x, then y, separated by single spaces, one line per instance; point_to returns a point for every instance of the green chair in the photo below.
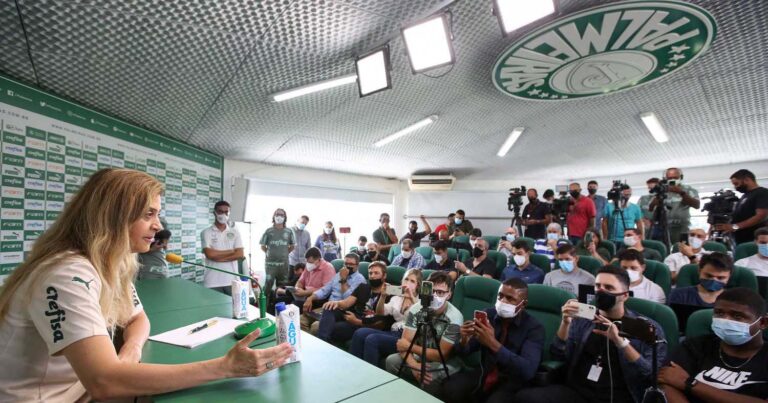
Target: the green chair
pixel 475 293
pixel 610 246
pixel 393 251
pixel 658 246
pixel 741 277
pixel 530 241
pixel 493 241
pixel 541 261
pixel 337 264
pixel 452 254
pixel 587 263
pixel 362 268
pixel 662 314
pixel 545 304
pixel 464 255
pixel 659 273
pixel 426 251
pixel 709 246
pixel 425 274
pixel 699 323
pixel 461 239
pixel 743 250
pixel 499 258
pixel 395 275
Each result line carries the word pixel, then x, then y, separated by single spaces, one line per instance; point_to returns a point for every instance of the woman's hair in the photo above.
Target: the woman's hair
pixel 332 235
pixel 416 273
pixel 95 224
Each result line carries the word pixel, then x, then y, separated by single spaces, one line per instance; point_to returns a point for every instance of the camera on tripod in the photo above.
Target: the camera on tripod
pixel 560 206
pixel 662 188
pixel 615 194
pixel 720 207
pixel 515 199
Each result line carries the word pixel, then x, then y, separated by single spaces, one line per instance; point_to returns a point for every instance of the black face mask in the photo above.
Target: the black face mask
pixel 592 191
pixel 351 269
pixel 412 230
pixel 575 193
pixel 477 252
pixel 372 253
pixel 533 200
pixel 376 283
pixel 741 189
pixel 604 301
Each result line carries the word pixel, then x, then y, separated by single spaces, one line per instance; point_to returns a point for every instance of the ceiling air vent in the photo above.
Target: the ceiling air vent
pixel 431 182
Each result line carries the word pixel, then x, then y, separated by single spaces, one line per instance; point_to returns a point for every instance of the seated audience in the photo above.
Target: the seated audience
pixel 442 227
pixel 480 264
pixel 384 236
pixel 473 235
pixel 372 344
pixel 362 311
pixel 328 243
pixel 569 276
pixel 633 240
pixel 460 225
pixel 408 257
pixel 758 262
pixel 730 365
pixel 687 252
pixel 715 270
pixel 634 263
pixel 522 267
pixel 510 346
pixel 447 320
pixel 548 246
pixel 415 236
pixel 375 254
pixel 442 262
pixel 296 272
pixel 602 365
pixel 316 274
pixel 336 292
pixel 152 264
pixel 505 243
pixel 590 246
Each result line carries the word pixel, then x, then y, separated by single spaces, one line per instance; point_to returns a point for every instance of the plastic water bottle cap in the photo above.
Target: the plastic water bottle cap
pixel 243 278
pixel 279 307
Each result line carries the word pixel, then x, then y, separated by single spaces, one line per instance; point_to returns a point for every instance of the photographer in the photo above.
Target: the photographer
pixel 628 215
pixel 680 198
pixel 536 216
pixel 644 202
pixel 751 212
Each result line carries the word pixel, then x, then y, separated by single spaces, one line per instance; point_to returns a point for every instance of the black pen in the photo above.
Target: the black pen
pixel 203 326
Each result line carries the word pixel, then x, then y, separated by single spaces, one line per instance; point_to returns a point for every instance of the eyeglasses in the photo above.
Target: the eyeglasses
pixel 440 293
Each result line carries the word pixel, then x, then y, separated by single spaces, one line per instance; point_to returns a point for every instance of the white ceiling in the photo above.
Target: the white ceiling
pixel 201 71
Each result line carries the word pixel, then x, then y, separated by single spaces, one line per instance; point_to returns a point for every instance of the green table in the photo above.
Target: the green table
pixel 171 294
pixel 397 391
pixel 325 374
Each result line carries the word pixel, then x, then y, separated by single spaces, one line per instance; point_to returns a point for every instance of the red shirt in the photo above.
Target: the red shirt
pixel 579 215
pixel 440 228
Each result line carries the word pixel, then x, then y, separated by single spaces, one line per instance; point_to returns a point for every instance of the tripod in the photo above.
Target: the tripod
pixel 653 394
pixel 660 221
pixel 424 330
pixel 517 220
pixel 616 209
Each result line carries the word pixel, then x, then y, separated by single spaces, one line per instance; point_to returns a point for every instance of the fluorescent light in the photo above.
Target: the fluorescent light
pixel 412 128
pixel 654 126
pixel 316 87
pixel 514 14
pixel 510 141
pixel 373 72
pixel 429 43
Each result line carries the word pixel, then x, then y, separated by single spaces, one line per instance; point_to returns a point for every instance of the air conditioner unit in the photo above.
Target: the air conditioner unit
pixel 431 182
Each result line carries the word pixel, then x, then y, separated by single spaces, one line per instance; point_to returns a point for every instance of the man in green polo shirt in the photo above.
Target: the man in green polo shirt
pixel 681 198
pixel 277 242
pixel 384 235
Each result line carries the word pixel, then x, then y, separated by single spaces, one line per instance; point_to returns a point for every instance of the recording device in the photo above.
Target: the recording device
pixel 662 188
pixel 684 238
pixel 515 199
pixel 586 311
pixel 425 294
pixel 560 206
pixel 481 316
pixel 394 290
pixel 720 211
pixel 615 194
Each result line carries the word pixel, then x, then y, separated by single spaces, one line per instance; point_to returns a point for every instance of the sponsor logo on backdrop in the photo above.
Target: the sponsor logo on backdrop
pixel 604 49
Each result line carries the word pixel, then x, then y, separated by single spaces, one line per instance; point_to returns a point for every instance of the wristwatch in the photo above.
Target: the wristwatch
pixel 689 384
pixel 735 227
pixel 624 343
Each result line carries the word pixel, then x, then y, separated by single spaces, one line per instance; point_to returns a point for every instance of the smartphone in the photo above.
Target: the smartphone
pixel 586 311
pixel 588 239
pixel 394 290
pixel 684 238
pixel 426 288
pixel 481 316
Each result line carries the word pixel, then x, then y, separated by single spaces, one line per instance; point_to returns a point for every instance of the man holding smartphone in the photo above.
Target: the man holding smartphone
pixel 510 343
pixel 602 365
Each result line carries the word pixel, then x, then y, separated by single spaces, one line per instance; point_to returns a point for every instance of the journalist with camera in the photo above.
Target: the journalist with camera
pixel 536 216
pixel 751 210
pixel 619 214
pixel 678 199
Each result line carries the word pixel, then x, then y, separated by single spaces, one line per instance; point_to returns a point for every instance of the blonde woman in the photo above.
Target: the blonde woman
pixel 372 344
pixel 59 309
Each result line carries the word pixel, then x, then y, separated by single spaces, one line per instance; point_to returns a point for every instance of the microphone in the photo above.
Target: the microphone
pixel 177 259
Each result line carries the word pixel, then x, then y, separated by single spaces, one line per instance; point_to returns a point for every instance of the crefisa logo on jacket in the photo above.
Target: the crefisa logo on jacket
pixel 604 49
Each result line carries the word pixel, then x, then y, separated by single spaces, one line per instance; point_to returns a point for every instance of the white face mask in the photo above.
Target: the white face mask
pixel 519 260
pixel 311 266
pixel 407 254
pixel 279 219
pixel 222 218
pixel 630 241
pixel 633 276
pixel 506 310
pixel 437 302
pixel 472 242
pixel 510 237
pixel 328 230
pixel 439 259
pixel 361 248
pixel 696 243
pixel 552 235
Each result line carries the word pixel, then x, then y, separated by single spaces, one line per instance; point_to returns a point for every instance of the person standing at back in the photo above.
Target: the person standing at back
pixel 536 216
pixel 153 264
pixel 751 212
pixel 222 247
pixel 385 235
pixel 581 215
pixel 303 242
pixel 328 244
pixel 599 201
pixel 681 198
pixel 277 242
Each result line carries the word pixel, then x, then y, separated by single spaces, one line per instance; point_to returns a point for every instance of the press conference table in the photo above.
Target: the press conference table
pixel 325 374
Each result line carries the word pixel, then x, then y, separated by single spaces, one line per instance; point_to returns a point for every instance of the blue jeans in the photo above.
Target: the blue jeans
pixel 373 344
pixel 333 328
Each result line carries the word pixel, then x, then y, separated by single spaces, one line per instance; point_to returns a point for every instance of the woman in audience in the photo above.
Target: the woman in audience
pixel 60 308
pixel 505 244
pixel 328 243
pixel 373 344
pixel 590 246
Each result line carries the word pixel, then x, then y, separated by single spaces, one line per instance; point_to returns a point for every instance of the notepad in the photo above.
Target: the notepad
pixel 181 337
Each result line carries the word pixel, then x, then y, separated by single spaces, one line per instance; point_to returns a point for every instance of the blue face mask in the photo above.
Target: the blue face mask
pixel 301 226
pixel 762 249
pixel 552 235
pixel 711 285
pixel 566 265
pixel 457 221
pixel 732 332
pixel 510 237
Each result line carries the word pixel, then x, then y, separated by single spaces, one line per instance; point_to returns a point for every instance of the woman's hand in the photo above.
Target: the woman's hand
pixel 242 361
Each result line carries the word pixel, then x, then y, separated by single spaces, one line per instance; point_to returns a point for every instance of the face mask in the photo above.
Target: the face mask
pixel 592 191
pixel 532 200
pixel 311 266
pixel 477 252
pixel 510 237
pixel 711 285
pixel 457 221
pixel 566 265
pixel 695 242
pixel 375 283
pixel 328 230
pixel 472 242
pixel 351 269
pixel 412 230
pixel 411 286
pixel 630 241
pixel 741 189
pixel 301 226
pixel 439 259
pixel 506 310
pixel 437 302
pixel 762 249
pixel 360 248
pixel 519 260
pixel 279 219
pixel 552 235
pixel 604 301
pixel 633 276
pixel 732 332
pixel 575 193
pixel 372 253
pixel 408 254
pixel 222 218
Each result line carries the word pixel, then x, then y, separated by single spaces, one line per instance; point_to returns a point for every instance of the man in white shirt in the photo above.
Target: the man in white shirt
pixel 688 252
pixel 758 262
pixel 634 263
pixel 223 247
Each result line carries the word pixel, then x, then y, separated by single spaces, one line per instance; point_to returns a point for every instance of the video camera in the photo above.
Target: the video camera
pixel 614 194
pixel 662 188
pixel 515 199
pixel 560 206
pixel 720 207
